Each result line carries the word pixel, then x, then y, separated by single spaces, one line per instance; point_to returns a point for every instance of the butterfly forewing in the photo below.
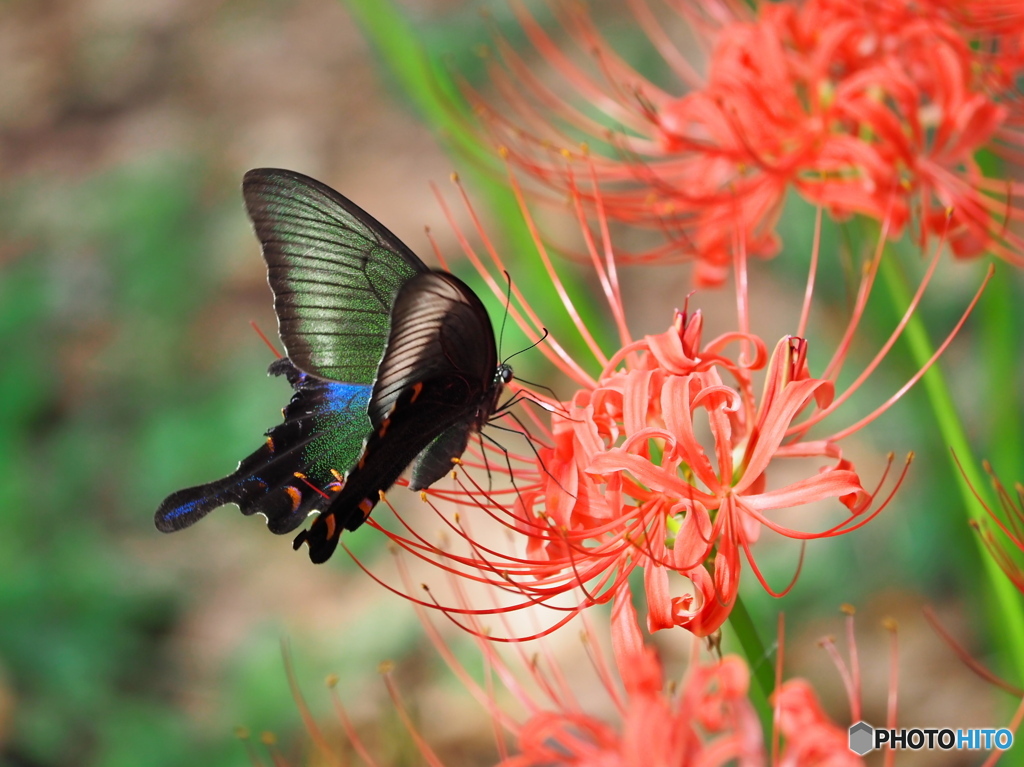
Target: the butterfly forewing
pixel 334 270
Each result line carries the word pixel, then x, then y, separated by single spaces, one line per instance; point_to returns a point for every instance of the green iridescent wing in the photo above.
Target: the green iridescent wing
pixel 334 270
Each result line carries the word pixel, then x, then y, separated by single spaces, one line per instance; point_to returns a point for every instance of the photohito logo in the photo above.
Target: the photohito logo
pixel 865 738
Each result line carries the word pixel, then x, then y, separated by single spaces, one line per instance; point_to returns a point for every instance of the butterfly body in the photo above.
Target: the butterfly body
pixel 392 364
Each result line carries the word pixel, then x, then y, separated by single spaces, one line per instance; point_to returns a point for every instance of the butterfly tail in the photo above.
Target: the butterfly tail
pixel 285 506
pixel 186 507
pixel 321 536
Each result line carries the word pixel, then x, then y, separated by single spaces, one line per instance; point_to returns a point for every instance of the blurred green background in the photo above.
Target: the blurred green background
pixel 129 277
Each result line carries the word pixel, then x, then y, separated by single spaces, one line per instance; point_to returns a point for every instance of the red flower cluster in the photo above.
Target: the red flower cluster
pixel 632 484
pixel 875 108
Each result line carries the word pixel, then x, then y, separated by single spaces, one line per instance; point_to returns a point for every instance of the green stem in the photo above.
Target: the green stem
pixel 420 76
pixel 1006 615
pixel 757 658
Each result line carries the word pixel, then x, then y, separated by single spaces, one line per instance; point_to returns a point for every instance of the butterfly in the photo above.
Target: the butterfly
pixel 392 364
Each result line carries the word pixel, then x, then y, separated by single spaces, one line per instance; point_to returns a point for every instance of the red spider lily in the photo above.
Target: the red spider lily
pixel 662 461
pixel 874 108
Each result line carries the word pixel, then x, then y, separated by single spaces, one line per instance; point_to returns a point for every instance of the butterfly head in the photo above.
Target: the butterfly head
pixel 503 375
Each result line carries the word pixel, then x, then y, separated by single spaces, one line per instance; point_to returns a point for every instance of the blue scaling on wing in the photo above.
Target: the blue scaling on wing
pixel 340 425
pixel 300 466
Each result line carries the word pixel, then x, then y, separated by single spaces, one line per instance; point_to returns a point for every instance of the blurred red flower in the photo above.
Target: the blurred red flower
pixel 876 108
pixel 708 720
pixel 811 738
pixel 632 715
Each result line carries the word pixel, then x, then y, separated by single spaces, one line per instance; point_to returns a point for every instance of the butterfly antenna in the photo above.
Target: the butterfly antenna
pixel 508 301
pixel 538 342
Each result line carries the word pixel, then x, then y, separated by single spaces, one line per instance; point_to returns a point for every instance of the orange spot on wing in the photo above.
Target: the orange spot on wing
pixel 416 389
pixel 366 506
pixel 270 444
pixel 329 521
pixel 295 494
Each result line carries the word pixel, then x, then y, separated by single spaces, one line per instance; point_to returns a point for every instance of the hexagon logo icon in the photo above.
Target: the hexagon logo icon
pixel 862 738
